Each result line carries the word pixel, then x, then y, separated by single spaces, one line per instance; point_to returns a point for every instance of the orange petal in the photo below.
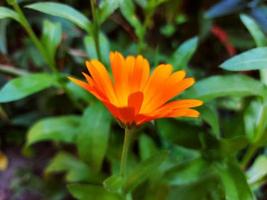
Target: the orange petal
pixel 140 74
pixel 135 101
pixel 159 76
pixel 167 90
pixel 89 88
pixel 102 79
pixel 120 73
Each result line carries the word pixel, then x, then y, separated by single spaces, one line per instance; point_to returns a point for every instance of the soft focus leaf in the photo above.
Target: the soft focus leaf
pixel 251 119
pixel 86 192
pixel 188 173
pixel 127 9
pixel 254 30
pixel 93 135
pixel 225 7
pixel 26 85
pixel 260 15
pixel 90 47
pixel 147 147
pixel 144 170
pixel 250 60
pixel 51 37
pixel 228 85
pixel 114 183
pixel 258 170
pixel 106 8
pixel 210 115
pixel 8 13
pixel 3 36
pixel 234 182
pixel 64 162
pixel 64 11
pixel 62 129
pixel 183 54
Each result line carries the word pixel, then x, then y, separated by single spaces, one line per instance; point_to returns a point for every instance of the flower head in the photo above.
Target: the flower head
pixel 132 95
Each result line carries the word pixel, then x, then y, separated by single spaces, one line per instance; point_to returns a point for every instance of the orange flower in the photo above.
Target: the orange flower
pixel 133 96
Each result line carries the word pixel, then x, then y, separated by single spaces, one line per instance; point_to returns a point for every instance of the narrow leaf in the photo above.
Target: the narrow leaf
pixel 184 53
pixel 62 129
pixel 64 162
pixel 26 85
pixel 253 59
pixel 254 30
pixel 86 192
pixel 144 170
pixel 64 11
pixel 221 86
pixel 93 135
pixel 8 13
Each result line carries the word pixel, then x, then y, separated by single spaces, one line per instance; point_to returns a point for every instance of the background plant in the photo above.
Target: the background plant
pixel 61 130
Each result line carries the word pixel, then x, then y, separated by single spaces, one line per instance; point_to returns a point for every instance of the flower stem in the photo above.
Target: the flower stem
pixel 248 156
pixel 95 29
pixel 126 145
pixel 34 38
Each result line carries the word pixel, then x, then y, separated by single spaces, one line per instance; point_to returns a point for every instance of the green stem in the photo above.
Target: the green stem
pixel 126 145
pixel 34 38
pixel 12 70
pixel 248 156
pixel 95 29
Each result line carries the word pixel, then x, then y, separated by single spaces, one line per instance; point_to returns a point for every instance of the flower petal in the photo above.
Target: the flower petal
pixel 102 79
pixel 159 76
pixel 135 101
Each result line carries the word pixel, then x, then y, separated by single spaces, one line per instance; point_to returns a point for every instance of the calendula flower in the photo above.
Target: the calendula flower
pixel 132 95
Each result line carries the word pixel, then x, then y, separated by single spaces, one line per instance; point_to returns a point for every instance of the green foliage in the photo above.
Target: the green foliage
pixel 214 87
pixel 61 129
pixel 64 11
pixel 184 53
pixel 8 13
pixel 220 155
pixel 85 192
pixel 92 140
pixel 253 59
pixel 26 85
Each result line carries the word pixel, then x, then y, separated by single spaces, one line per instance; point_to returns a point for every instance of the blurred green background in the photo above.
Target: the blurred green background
pixel 57 142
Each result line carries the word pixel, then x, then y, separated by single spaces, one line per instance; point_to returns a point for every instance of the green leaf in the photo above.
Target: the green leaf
pixel 64 11
pixel 106 8
pixel 62 129
pixel 210 115
pixel 127 9
pixel 26 85
pixel 8 13
pixel 183 54
pixel 234 182
pixel 90 47
pixel 3 36
pixel 253 59
pixel 51 37
pixel 86 192
pixel 144 170
pixel 188 173
pixel 93 135
pixel 64 162
pixel 147 147
pixel 251 118
pixel 254 30
pixel 221 86
pixel 114 184
pixel 258 170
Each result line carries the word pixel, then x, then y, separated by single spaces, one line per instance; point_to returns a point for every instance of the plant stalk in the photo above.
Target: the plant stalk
pixel 34 38
pixel 125 149
pixel 95 31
